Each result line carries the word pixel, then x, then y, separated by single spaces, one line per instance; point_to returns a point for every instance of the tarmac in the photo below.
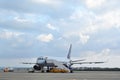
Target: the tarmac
pixel 81 75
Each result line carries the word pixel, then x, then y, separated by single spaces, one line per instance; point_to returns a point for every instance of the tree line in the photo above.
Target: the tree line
pixel 95 69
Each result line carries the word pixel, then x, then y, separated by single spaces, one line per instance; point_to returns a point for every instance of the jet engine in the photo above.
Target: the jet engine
pixel 37 67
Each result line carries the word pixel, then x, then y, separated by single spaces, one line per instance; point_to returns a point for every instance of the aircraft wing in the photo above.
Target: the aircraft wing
pixel 77 60
pixel 27 63
pixel 87 62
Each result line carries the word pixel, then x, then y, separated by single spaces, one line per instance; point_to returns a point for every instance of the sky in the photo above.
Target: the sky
pixel 33 28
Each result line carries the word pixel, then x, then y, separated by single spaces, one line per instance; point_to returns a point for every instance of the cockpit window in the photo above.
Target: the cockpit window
pixel 41 58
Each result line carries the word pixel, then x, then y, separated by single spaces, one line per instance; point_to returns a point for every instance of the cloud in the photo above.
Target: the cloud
pixel 21 20
pixel 84 38
pixel 50 26
pixel 110 19
pixel 5 34
pixel 54 3
pixel 102 56
pixel 76 15
pixel 91 23
pixel 94 3
pixel 45 37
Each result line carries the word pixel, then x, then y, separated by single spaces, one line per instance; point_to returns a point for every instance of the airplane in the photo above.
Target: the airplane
pixel 43 64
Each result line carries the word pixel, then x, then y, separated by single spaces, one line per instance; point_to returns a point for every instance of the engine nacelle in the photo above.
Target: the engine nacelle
pixel 37 67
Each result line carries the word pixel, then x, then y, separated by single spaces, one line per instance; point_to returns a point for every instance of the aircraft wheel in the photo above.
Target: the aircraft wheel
pixel 42 71
pixel 47 71
pixel 71 71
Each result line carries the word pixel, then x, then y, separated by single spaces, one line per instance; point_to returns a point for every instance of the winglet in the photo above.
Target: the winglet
pixel 69 52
